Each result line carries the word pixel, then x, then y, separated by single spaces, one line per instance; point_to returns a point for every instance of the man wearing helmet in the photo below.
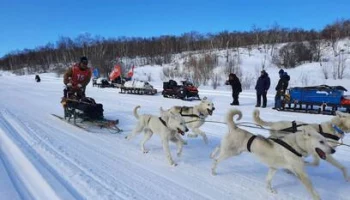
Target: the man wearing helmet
pixel 77 78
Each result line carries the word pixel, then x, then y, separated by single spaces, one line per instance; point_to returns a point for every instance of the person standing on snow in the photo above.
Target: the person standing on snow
pixel 236 87
pixel 261 87
pixel 281 88
pixel 77 77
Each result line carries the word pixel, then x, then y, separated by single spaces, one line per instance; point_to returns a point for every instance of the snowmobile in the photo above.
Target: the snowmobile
pixel 101 83
pixel 186 91
pixel 83 112
pixel 138 87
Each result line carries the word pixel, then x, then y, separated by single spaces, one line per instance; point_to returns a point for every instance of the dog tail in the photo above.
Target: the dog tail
pixel 258 120
pixel 230 115
pixel 137 116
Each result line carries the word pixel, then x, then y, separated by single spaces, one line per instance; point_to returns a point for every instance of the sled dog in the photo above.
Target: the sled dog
pixel 195 116
pixel 330 130
pixel 169 126
pixel 283 153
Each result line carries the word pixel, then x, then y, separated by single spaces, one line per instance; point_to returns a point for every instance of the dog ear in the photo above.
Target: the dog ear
pixel 341 114
pixel 161 110
pixel 306 133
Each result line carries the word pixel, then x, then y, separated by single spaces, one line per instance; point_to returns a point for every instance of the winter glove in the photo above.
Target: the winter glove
pixel 69 84
pixel 79 85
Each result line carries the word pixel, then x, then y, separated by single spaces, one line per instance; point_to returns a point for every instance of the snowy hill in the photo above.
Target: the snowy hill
pixel 250 62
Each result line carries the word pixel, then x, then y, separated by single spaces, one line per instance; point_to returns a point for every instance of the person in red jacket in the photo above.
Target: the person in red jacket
pixel 77 78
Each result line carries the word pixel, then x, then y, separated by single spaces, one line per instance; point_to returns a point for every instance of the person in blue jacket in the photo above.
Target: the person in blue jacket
pixel 261 87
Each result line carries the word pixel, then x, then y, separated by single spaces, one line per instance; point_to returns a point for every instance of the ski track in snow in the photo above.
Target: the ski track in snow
pixel 83 165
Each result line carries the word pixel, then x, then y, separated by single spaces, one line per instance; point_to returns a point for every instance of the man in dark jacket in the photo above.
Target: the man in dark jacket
pixel 236 87
pixel 261 87
pixel 281 88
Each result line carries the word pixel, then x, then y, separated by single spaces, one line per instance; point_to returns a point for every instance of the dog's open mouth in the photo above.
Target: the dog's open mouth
pixel 180 131
pixel 321 153
pixel 210 111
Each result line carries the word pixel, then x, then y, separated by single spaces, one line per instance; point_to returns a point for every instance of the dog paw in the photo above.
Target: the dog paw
pixel 213 173
pixel 179 154
pixel 145 151
pixel 316 197
pixel 205 140
pixel 184 143
pixel 174 164
pixel 272 190
pixel 192 135
pixel 288 171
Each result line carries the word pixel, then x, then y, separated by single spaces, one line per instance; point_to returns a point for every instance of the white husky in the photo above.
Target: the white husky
pixel 284 153
pixel 195 116
pixel 168 126
pixel 327 129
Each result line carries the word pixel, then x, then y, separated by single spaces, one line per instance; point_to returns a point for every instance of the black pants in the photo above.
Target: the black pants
pixel 69 93
pixel 258 98
pixel 235 98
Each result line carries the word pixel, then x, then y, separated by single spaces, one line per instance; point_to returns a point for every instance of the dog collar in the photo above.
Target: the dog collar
pixel 337 129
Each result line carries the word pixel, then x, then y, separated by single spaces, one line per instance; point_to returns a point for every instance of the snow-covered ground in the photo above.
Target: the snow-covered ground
pixel 42 157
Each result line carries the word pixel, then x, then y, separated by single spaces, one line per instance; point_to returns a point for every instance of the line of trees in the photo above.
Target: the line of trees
pixel 103 52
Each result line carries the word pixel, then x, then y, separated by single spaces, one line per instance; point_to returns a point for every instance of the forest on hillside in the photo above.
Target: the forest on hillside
pixel 105 52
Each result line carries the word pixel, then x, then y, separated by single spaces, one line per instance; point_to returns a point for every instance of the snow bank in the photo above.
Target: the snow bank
pixel 29 176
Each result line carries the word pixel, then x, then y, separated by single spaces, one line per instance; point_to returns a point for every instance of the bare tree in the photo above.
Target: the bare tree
pixel 325 67
pixel 216 79
pixel 341 65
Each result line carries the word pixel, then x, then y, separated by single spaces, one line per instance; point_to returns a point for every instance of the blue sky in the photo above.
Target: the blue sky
pixel 31 23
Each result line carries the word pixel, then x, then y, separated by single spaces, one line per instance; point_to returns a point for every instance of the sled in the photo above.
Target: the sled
pixel 322 99
pixel 86 114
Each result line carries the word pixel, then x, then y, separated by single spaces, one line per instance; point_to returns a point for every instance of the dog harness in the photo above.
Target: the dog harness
pixel 327 135
pixel 287 146
pixel 294 129
pixel 278 141
pixel 163 122
pixel 190 115
pixel 250 141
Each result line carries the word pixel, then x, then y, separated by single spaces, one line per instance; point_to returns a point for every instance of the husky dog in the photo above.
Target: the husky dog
pixel 169 125
pixel 195 116
pixel 283 153
pixel 330 130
